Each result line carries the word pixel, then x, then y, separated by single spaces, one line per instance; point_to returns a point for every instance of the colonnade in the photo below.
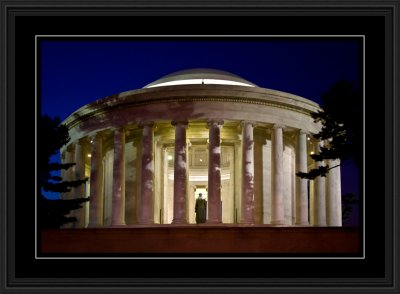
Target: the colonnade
pixel 323 200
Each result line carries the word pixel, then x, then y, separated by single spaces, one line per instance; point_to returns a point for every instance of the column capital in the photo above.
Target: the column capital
pixel 303 132
pixel 118 129
pixel 146 123
pixel 82 141
pixel 278 126
pixel 214 121
pixel 97 135
pixel 246 122
pixel 181 122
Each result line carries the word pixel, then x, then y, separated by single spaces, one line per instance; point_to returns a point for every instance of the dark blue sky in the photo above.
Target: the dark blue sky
pixel 77 72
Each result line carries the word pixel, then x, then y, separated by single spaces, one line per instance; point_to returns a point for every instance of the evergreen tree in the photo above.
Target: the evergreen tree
pixel 51 137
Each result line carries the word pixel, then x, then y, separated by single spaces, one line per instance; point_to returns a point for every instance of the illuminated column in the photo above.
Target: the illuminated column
pixel 138 189
pixel 338 193
pixel 180 173
pixel 79 191
pixel 214 172
pixel 238 178
pixel 165 186
pixel 319 193
pixel 118 197
pixel 190 199
pixel 96 183
pixel 147 181
pixel 333 195
pixel 247 173
pixel 301 184
pixel 260 141
pixel 277 212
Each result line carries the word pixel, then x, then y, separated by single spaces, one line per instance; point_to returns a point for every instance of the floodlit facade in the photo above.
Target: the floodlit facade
pixel 149 153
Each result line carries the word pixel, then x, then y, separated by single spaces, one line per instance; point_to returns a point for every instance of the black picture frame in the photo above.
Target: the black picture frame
pixel 21 272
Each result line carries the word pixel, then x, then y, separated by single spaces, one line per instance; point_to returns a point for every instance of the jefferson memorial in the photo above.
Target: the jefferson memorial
pixel 149 152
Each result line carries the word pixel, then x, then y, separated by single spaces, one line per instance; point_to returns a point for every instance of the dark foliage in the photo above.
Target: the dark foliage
pixel 51 137
pixel 342 123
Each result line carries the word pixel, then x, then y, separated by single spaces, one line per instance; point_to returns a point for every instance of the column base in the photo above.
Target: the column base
pixel 93 226
pixel 213 222
pixel 118 224
pixel 247 223
pixel 179 222
pixel 302 224
pixel 278 223
pixel 146 223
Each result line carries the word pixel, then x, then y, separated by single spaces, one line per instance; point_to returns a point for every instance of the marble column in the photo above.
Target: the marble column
pixel 138 164
pixel 190 199
pixel 333 195
pixel 238 180
pixel 158 183
pixel 277 212
pixel 231 195
pixel 319 193
pixel 79 191
pixel 180 173
pixel 96 183
pixel 260 141
pixel 247 173
pixel 118 196
pixel 214 172
pixel 301 184
pixel 165 185
pixel 147 173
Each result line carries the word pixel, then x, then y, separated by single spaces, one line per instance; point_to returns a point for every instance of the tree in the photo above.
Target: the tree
pixel 341 120
pixel 51 137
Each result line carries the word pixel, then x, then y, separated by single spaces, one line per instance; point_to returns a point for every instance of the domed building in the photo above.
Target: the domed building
pixel 150 152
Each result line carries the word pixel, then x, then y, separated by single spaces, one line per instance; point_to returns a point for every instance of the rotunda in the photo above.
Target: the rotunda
pixel 149 152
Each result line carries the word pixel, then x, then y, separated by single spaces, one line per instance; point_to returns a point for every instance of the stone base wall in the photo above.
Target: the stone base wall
pixel 202 239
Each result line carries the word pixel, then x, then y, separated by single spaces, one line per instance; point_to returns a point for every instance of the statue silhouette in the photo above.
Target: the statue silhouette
pixel 201 209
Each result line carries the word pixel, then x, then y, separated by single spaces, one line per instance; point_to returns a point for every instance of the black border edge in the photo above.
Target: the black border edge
pixel 9 283
pixel 395 79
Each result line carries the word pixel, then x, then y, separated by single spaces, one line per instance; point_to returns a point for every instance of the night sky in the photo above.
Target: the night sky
pixel 75 72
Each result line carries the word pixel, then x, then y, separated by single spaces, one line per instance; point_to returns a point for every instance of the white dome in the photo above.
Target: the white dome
pixel 200 76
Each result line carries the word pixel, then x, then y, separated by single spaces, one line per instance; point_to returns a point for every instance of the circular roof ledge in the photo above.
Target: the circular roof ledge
pixel 200 76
